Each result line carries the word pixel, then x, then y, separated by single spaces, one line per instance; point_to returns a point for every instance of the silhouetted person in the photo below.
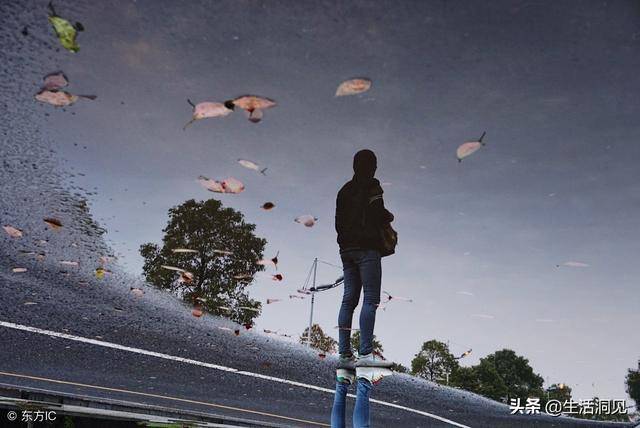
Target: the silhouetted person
pixel 360 215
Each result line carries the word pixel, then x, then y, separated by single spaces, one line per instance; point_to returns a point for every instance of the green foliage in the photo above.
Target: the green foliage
pixel 500 375
pixel 397 367
pixel 465 378
pixel 355 343
pixel 433 362
pixel 65 31
pixel 319 340
pixel 490 382
pixel 517 375
pixel 205 227
pixel 633 385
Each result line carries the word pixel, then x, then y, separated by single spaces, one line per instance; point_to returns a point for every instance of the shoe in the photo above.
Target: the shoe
pixel 346 371
pixel 346 376
pixel 368 361
pixel 373 374
pixel 347 361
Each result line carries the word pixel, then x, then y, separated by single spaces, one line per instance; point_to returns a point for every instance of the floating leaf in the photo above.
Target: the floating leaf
pixel 390 297
pixel 483 316
pixel 252 104
pixel 183 250
pixel 211 185
pixel 270 301
pixel 268 206
pixel 230 185
pixel 306 219
pixel 277 277
pixel 469 148
pixel 55 81
pixel 186 277
pixel 65 31
pixel 269 262
pixel 575 264
pixel 197 312
pixel 100 272
pixel 53 223
pixel 353 87
pixel 173 268
pixel 60 98
pixel 223 252
pixel 252 165
pixel 18 270
pixel 207 110
pixel 12 231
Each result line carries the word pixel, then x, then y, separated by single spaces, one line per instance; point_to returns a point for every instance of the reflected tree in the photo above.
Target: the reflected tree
pixel 434 362
pixel 319 340
pixel 633 385
pixel 217 252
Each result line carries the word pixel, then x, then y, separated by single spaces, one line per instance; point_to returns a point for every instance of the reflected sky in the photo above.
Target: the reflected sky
pixel 554 85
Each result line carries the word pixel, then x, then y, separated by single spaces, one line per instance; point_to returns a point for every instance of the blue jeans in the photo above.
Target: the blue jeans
pixel 362 271
pixel 360 411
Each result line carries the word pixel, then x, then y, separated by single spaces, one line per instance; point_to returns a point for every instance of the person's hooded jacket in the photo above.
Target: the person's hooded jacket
pixel 360 211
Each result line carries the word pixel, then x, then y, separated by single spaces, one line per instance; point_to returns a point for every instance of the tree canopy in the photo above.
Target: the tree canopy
pixel 516 373
pixel 219 261
pixel 434 362
pixel 500 376
pixel 319 340
pixel 633 385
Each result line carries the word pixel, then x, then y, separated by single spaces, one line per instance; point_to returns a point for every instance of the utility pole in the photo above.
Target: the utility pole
pixel 313 296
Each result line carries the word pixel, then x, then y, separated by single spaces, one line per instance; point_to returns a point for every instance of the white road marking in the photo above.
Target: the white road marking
pixel 212 366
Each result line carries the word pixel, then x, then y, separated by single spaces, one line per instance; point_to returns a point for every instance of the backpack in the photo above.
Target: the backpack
pixel 388 240
pixel 387 237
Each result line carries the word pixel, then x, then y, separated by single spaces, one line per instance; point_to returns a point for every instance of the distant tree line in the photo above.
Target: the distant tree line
pixel 501 376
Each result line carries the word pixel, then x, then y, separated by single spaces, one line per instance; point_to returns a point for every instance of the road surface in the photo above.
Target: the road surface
pixel 64 331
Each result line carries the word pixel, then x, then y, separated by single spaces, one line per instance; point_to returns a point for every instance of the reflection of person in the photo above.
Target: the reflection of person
pixel 344 378
pixel 360 215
